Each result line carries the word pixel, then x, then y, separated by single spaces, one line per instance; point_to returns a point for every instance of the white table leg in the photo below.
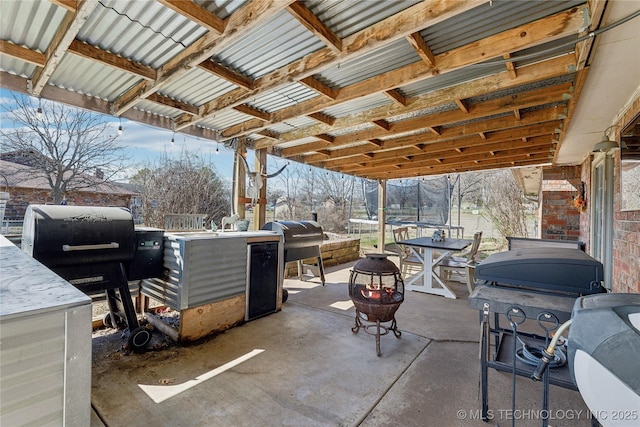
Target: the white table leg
pixel 428 274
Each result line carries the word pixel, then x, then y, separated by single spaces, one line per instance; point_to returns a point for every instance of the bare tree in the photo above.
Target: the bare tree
pixel 505 204
pixel 64 145
pixel 182 186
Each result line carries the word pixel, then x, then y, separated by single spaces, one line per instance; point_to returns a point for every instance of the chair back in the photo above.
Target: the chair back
pixel 477 239
pixel 400 234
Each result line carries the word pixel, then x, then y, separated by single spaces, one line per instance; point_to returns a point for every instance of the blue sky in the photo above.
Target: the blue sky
pixel 146 144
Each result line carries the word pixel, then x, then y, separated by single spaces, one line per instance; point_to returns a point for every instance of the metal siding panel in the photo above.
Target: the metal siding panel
pixel 218 269
pixel 272 45
pixel 77 400
pixel 32 366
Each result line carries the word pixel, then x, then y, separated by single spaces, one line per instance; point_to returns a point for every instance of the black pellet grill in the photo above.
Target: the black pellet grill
pixel 302 240
pixel 93 248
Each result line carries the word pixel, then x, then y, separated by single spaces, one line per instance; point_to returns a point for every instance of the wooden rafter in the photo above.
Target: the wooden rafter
pixel 227 74
pixel 246 109
pixel 68 29
pixel 396 96
pixel 197 14
pixel 315 25
pixel 422 48
pixel 547 69
pixel 462 105
pixel 323 118
pixel 96 54
pixel 164 100
pixel 536 32
pixel 485 109
pixel 449 134
pixel 384 32
pixel 511 68
pixel 238 24
pixel 320 87
pixel 22 53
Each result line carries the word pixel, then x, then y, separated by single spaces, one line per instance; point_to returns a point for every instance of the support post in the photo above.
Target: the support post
pixel 382 214
pixel 260 209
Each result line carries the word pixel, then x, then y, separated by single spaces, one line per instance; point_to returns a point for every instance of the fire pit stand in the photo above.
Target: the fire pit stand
pixel 377 290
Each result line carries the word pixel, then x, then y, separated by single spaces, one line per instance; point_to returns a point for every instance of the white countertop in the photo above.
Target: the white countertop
pixel 28 287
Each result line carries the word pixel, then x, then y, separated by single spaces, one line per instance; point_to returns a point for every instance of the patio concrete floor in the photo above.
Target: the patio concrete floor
pixel 303 366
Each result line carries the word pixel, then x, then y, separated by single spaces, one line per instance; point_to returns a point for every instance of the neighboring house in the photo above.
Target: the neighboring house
pixel 25 187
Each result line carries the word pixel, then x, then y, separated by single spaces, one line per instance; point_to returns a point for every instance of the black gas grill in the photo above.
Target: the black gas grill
pixel 302 240
pixel 537 285
pixel 91 248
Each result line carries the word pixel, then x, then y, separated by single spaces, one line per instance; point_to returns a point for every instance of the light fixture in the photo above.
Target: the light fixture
pixel 120 130
pixel 606 144
pixel 217 149
pixel 39 111
pixel 173 138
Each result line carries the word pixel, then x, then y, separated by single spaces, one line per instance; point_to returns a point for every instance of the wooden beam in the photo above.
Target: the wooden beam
pixel 462 105
pixel 516 113
pixel 382 124
pixel 396 96
pixel 246 109
pixel 170 102
pixel 320 87
pixel 421 47
pixel 544 70
pixel 453 136
pixel 325 137
pixel 22 53
pixel 323 118
pixel 529 35
pixel 67 31
pixel 70 5
pixel 511 68
pixel 436 130
pixel 367 40
pixel 197 14
pixel 107 58
pixel 504 104
pixel 299 11
pixel 242 21
pixel 227 74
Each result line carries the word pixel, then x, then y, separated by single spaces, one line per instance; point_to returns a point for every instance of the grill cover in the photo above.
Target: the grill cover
pixel 550 269
pixel 72 235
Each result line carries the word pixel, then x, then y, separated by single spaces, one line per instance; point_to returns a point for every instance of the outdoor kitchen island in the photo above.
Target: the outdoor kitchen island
pixel 217 280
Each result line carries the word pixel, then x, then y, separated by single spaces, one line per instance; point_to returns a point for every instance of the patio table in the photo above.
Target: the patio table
pixel 422 247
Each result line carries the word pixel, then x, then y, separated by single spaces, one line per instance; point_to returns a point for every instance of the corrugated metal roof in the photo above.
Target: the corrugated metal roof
pixel 32 24
pixel 221 8
pixel 357 105
pixel 423 112
pixel 159 109
pixel 92 78
pixel 277 42
pixel 302 141
pixel 382 60
pixel 16 66
pixel 224 119
pixel 522 88
pixel 488 19
pixel 346 17
pixel 157 35
pixel 300 122
pixel 352 129
pixel 283 97
pixel 197 87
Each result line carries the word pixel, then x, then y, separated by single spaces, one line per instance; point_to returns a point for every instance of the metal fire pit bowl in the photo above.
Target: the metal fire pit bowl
pixel 377 290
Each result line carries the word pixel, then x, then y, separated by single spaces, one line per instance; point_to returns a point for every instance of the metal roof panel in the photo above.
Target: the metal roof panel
pixel 197 87
pixel 357 105
pixel 283 97
pixel 31 24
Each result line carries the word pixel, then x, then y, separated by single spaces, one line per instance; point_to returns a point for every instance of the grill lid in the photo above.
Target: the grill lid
pixel 297 234
pixel 59 235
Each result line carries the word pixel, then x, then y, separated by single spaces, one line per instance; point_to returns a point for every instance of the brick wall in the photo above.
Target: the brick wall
pixel 560 219
pixel 20 198
pixel 626 228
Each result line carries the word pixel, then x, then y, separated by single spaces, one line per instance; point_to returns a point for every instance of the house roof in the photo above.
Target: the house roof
pixel 384 89
pixel 15 175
